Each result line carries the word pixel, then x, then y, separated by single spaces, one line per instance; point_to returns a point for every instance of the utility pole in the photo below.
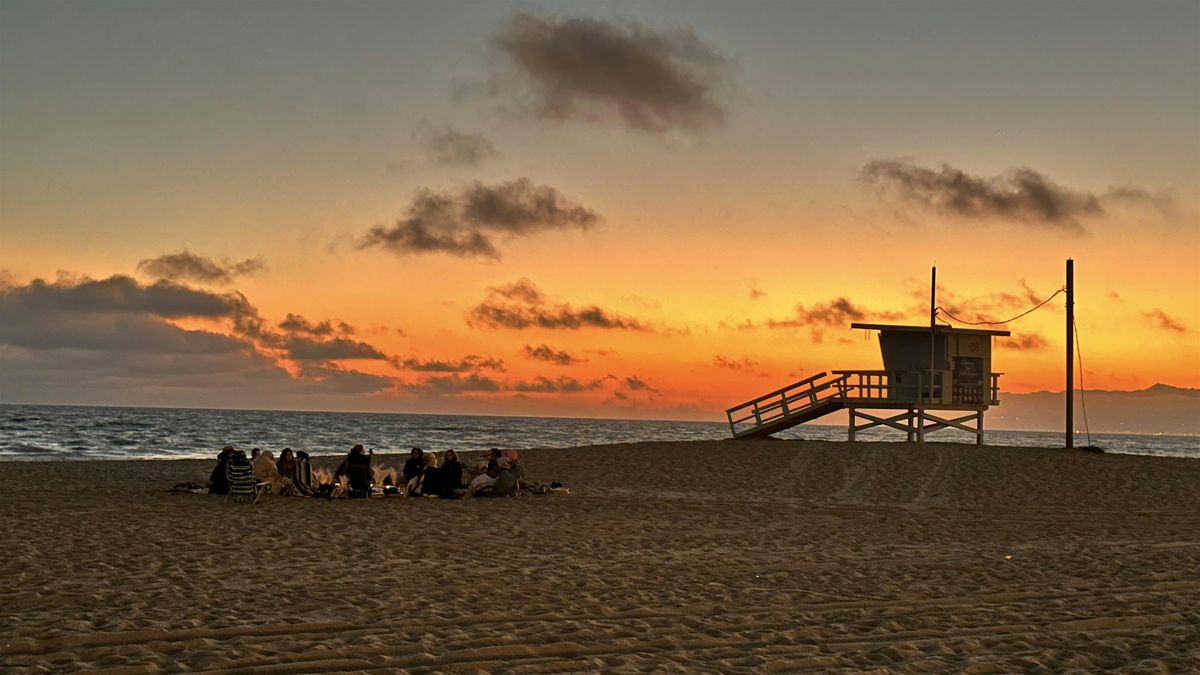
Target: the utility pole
pixel 1070 393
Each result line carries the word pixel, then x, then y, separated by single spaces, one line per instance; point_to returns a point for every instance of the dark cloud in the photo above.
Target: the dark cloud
pixel 835 313
pixel 301 348
pixel 1021 195
pixel 464 223
pixel 544 352
pixel 756 293
pixel 1162 201
pixel 523 305
pixel 453 385
pixel 558 385
pixel 733 323
pixel 635 383
pixel 600 71
pixel 1165 321
pixel 295 323
pixel 743 363
pixel 1024 342
pixel 335 379
pixel 522 290
pixel 187 266
pixel 468 363
pixel 114 340
pixel 991 307
pixel 448 147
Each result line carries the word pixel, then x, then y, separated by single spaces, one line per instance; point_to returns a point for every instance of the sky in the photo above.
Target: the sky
pixel 600 209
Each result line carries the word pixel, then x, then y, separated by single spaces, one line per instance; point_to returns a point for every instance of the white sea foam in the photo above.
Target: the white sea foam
pixel 30 432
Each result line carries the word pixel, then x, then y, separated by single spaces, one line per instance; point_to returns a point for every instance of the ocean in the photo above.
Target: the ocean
pixel 39 432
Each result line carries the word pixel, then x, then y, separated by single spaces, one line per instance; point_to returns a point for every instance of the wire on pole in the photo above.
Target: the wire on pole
pixel 1082 400
pixel 1038 306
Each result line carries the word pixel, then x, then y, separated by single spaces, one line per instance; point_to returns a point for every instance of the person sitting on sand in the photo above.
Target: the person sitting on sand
pixel 432 481
pixel 493 463
pixel 265 472
pixel 414 466
pixel 289 468
pixel 508 482
pixel 357 470
pixel 218 481
pixel 452 474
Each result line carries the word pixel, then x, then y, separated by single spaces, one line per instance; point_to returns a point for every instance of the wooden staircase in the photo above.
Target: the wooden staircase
pixel 781 409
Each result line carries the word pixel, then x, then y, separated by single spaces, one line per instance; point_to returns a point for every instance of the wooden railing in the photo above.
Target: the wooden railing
pixel 848 386
pixel 920 387
pixel 781 403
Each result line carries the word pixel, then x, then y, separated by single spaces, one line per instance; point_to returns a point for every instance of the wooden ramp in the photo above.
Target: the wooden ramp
pixel 781 409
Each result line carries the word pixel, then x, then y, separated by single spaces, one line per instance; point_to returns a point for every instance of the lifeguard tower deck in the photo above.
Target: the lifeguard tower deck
pixel 939 368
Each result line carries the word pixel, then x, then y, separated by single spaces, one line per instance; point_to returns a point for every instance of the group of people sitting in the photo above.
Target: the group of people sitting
pixel 238 475
pixel 496 474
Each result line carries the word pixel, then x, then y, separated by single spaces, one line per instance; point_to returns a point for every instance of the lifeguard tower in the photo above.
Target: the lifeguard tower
pixel 926 369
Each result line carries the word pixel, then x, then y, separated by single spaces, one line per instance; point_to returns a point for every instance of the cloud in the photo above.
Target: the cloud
pixel 120 294
pixel 115 340
pixel 1165 321
pixel 1024 342
pixel 600 71
pixel 635 383
pixel 834 313
pixel 335 379
pixel 558 385
pixel 544 352
pixel 447 147
pixel 295 323
pixel 188 266
pixel 307 349
pixel 990 307
pixel 837 313
pixel 1022 195
pixel 1162 201
pixel 522 290
pixel 523 305
pixel 453 385
pixel 468 363
pixel 744 363
pixel 464 222
pixel 756 293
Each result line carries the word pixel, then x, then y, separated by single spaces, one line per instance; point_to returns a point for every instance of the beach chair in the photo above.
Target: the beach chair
pixel 242 486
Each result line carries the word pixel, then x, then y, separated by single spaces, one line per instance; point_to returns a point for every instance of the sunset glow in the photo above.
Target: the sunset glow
pixel 490 227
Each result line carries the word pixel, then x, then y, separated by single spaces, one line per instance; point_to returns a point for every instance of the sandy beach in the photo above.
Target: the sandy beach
pixel 725 556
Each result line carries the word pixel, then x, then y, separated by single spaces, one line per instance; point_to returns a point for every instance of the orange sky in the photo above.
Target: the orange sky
pixel 707 230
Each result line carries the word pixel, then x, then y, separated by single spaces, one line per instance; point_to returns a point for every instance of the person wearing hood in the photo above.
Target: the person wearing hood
pixel 218 481
pixel 414 466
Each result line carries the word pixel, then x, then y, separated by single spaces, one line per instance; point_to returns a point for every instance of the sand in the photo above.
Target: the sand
pixel 729 556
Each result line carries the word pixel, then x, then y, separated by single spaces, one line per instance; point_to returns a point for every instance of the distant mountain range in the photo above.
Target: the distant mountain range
pixel 1160 408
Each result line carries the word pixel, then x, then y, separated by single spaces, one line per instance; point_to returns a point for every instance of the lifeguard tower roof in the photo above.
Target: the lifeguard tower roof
pixel 946 330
